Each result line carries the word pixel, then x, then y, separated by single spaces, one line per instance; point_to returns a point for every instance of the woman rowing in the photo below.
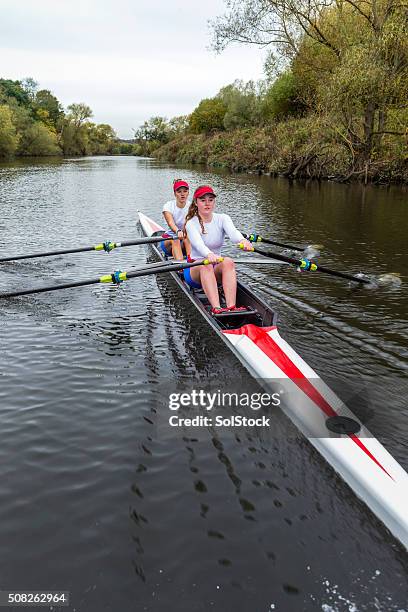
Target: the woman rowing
pixel 206 231
pixel 175 212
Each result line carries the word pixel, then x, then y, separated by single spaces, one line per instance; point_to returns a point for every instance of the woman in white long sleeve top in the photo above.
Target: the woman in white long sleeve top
pixel 175 212
pixel 206 231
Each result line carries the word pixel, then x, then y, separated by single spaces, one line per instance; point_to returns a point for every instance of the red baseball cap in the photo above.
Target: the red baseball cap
pixel 179 184
pixel 204 190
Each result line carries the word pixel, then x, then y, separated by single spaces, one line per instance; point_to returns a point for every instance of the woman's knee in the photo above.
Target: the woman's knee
pixel 206 271
pixel 228 264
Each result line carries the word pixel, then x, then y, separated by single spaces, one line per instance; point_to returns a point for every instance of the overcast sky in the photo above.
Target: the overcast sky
pixel 127 59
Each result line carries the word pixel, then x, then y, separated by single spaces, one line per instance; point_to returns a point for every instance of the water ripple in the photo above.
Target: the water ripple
pixel 95 498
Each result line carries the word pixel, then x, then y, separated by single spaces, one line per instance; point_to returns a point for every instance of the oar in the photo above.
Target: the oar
pixel 308 265
pixel 258 238
pixel 254 261
pixel 103 246
pixel 116 277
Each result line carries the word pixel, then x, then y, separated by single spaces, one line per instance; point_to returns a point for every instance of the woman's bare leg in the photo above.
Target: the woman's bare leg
pixel 176 249
pixel 187 246
pixel 226 274
pixel 205 275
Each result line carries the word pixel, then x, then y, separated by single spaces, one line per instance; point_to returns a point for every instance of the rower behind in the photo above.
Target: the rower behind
pixel 175 212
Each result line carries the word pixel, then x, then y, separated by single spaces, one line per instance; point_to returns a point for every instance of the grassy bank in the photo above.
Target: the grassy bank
pixel 308 147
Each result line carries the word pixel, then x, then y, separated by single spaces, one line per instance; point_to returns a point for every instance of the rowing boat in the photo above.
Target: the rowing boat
pixel 346 444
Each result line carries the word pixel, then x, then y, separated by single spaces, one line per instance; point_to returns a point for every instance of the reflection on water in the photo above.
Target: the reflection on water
pixel 94 499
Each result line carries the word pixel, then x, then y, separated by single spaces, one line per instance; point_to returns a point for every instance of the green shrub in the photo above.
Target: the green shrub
pixel 208 116
pixel 8 134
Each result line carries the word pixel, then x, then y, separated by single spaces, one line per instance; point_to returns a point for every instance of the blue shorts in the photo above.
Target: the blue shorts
pixel 163 248
pixel 190 282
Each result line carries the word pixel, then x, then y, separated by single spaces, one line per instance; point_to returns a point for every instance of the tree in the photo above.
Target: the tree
pixel 22 117
pixel 155 129
pixel 45 101
pixel 30 86
pixel 370 83
pixel 79 113
pixel 153 134
pixel 33 122
pixel 74 130
pixel 74 140
pixel 352 54
pixel 242 101
pixel 13 90
pixel 208 116
pixel 8 134
pixel 178 125
pixel 124 148
pixel 102 138
pixel 38 140
pixel 281 23
pixel 281 99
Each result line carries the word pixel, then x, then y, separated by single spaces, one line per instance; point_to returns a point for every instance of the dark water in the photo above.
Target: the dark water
pixel 94 499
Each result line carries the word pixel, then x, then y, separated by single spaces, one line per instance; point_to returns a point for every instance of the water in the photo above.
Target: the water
pixel 94 499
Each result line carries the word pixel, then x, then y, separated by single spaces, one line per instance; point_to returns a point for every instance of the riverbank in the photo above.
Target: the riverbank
pixel 297 148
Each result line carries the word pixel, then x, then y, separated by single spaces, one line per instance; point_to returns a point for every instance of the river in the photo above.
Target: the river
pixel 95 499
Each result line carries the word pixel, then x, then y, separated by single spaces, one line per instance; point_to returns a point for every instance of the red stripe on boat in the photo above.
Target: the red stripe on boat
pixel 261 338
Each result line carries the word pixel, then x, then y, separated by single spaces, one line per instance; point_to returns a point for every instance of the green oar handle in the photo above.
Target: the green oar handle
pixel 108 278
pixel 97 247
pixel 316 267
